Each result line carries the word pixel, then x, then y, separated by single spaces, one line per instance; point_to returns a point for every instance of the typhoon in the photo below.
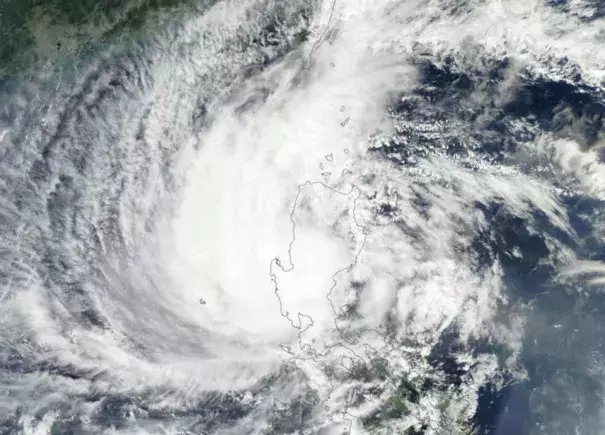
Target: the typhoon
pixel 243 217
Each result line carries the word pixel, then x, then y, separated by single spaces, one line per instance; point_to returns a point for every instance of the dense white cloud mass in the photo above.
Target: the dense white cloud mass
pixel 225 229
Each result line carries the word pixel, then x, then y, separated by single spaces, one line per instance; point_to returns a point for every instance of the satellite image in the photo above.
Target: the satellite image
pixel 302 217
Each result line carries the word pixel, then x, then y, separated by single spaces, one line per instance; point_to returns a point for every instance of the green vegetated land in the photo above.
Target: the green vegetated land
pixel 39 31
